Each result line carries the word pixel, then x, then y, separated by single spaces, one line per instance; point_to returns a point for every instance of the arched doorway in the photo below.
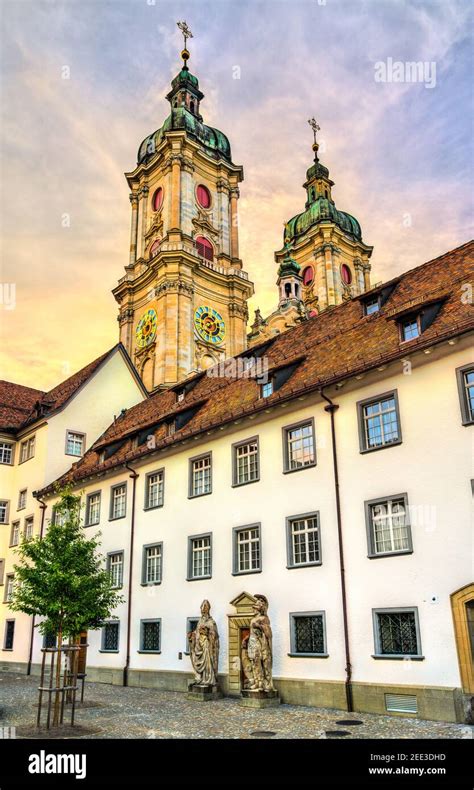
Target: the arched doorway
pixel 462 603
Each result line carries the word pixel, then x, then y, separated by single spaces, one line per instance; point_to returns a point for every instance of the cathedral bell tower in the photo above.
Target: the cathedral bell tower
pixel 183 299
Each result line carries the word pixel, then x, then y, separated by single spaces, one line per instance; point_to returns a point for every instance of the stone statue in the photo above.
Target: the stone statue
pixel 257 649
pixel 204 648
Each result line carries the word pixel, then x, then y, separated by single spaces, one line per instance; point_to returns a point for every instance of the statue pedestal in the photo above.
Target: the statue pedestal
pixel 203 693
pixel 259 699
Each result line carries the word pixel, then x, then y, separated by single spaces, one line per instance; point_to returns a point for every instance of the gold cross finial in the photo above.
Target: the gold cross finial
pixel 183 26
pixel 314 126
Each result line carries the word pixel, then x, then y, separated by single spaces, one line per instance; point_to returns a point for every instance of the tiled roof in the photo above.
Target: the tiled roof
pixel 340 342
pixel 18 403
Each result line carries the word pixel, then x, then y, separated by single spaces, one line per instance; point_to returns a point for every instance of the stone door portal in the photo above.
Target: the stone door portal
pixel 239 628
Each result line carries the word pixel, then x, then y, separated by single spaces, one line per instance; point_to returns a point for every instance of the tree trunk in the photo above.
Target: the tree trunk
pixel 58 678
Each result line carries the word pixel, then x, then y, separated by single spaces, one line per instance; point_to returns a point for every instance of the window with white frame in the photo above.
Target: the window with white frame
pixel 410 328
pixel 267 389
pixel 308 634
pixel 28 529
pixel 465 377
pixel 6 453
pixel 15 534
pixel 246 462
pixel 388 525
pixel 154 489
pixel 304 543
pixel 397 632
pixel 118 501
pixel 4 511
pixel 22 499
pixel 200 473
pixel 75 443
pixel 299 446
pixel 27 449
pixel 150 636
pixel 371 305
pixel 247 553
pixel 9 587
pixel 200 557
pixel 379 422
pixel 93 509
pixel 115 568
pixel 110 637
pixel 152 564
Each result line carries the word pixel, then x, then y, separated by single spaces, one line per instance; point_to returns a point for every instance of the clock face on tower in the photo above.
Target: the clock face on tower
pixel 209 324
pixel 145 332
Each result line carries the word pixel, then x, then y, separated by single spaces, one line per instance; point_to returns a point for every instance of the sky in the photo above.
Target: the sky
pixel 84 81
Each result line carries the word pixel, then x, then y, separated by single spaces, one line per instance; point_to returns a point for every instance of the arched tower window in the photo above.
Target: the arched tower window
pixel 154 248
pixel 296 290
pixel 191 106
pixel 287 290
pixel 308 275
pixel 157 199
pixel 346 274
pixel 204 248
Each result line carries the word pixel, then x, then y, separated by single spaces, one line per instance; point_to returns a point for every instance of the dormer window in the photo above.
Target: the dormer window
pixel 410 328
pixel 181 395
pixel 371 306
pixel 267 389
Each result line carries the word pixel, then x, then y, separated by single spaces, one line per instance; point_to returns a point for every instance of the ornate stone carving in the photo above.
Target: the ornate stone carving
pixel 204 648
pixel 257 650
pixel 235 308
pixel 125 315
pixel 203 224
pixel 174 286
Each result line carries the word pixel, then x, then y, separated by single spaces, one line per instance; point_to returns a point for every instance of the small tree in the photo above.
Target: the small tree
pixel 62 579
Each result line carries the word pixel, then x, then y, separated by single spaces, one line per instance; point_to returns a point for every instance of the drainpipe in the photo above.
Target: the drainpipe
pixel 43 507
pixel 332 408
pixel 126 668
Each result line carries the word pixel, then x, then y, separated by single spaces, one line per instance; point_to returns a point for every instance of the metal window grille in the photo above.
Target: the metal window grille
pixel 9 634
pixel 247 462
pixel 75 443
pixel 389 526
pixel 119 499
pixel 155 490
pixel 380 423
pixel 93 516
pixel 151 636
pixel 116 569
pixel 49 640
pixel 201 557
pixel 469 390
pixel 202 476
pixel 153 564
pixel 300 446
pixel 111 636
pixel 248 549
pixel 397 633
pixel 305 540
pixel 309 634
pixel 6 453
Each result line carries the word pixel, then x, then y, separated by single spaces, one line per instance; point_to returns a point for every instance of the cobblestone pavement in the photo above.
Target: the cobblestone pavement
pixel 117 712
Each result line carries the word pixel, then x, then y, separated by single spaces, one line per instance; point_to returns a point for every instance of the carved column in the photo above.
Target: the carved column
pixel 222 205
pixel 175 191
pixel 134 228
pixel 367 268
pixel 144 201
pixel 329 265
pixel 359 278
pixel 234 219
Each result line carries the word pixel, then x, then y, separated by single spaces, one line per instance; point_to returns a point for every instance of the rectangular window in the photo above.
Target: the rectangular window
pixel 2 568
pixel 150 636
pixel 267 389
pixel 200 475
pixel 152 564
pixel 27 449
pixel 9 587
pixel 4 511
pixel 15 534
pixel 93 509
pixel 9 634
pixel 303 538
pixel 191 625
pixel 379 422
pixel 299 446
pixel 75 443
pixel 388 525
pixel 49 640
pixel 28 530
pixel 465 377
pixel 110 637
pixel 154 489
pixel 245 462
pixel 118 501
pixel 115 568
pixel 308 634
pixel 396 632
pixel 409 329
pixel 247 552
pixel 371 306
pixel 22 499
pixel 200 557
pixel 6 453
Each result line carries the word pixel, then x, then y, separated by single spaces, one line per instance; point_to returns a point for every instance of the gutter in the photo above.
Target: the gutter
pixel 126 668
pixel 43 507
pixel 332 408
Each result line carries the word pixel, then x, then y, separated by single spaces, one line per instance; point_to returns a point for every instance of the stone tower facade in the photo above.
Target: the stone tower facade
pixel 183 299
